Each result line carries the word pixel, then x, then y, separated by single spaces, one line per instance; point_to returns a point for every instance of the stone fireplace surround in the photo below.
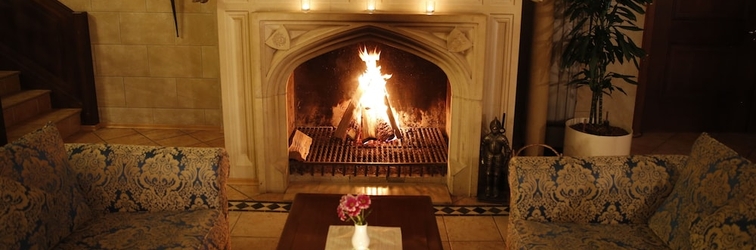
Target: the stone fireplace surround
pixel 259 51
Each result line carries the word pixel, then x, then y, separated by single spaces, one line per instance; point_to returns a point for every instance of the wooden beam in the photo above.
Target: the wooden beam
pixel 369 126
pixel 392 119
pixel 341 130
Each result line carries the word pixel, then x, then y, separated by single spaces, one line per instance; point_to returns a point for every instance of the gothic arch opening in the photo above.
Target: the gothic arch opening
pixel 259 60
pixel 371 110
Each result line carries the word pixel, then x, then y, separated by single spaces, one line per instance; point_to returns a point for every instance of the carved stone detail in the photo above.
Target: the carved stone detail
pixel 457 41
pixel 255 83
pixel 280 39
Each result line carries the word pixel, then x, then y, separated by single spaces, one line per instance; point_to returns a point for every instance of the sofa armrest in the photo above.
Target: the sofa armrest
pixel 127 178
pixel 608 189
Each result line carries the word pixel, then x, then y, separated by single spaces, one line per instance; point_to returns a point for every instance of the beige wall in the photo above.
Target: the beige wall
pixel 145 75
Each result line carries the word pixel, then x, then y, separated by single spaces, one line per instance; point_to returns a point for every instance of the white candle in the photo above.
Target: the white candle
pixel 430 6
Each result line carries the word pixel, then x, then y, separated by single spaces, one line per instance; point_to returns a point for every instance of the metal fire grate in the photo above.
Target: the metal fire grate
pixel 421 152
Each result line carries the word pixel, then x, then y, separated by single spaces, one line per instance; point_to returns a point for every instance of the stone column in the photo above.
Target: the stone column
pixel 540 69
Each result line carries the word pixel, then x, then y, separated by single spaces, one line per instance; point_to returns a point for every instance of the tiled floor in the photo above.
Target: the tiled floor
pixel 260 230
pixel 680 143
pixel 163 137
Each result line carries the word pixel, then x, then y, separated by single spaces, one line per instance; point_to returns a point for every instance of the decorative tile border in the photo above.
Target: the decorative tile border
pixel 259 206
pixel 283 207
pixel 471 210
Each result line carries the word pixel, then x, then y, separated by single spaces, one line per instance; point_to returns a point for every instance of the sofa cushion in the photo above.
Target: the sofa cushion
pixel 730 227
pixel 39 162
pixel 713 175
pixel 607 190
pixel 527 234
pixel 131 178
pixel 22 210
pixel 192 229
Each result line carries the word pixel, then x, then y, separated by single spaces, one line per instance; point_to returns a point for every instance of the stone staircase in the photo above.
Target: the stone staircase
pixel 27 110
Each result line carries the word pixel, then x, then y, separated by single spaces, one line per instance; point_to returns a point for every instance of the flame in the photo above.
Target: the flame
pixel 373 86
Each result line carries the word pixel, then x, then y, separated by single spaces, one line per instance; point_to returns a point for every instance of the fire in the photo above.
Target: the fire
pixel 373 86
pixel 375 113
pixel 369 115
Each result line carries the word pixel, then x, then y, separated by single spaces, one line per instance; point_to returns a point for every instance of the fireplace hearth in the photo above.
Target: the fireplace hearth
pixel 421 153
pixel 259 52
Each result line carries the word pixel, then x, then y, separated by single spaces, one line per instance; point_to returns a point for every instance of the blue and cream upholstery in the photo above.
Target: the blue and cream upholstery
pixel 705 208
pixel 701 201
pixel 99 196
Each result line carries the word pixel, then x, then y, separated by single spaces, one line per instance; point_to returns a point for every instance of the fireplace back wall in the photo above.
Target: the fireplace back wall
pixel 324 85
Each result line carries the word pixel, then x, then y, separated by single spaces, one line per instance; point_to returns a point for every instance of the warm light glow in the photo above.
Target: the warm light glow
pixel 375 190
pixel 373 88
pixel 430 6
pixel 370 5
pixel 373 84
pixel 305 5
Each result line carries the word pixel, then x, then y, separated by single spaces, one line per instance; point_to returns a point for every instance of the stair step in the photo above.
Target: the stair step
pixel 68 122
pixel 24 105
pixel 27 110
pixel 9 82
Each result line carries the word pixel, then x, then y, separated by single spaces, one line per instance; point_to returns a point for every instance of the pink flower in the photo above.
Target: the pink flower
pixel 341 213
pixel 354 208
pixel 363 200
pixel 351 203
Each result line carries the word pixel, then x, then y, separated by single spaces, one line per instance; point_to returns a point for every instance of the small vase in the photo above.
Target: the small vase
pixel 360 238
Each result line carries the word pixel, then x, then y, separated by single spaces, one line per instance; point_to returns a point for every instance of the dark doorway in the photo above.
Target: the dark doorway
pixel 701 71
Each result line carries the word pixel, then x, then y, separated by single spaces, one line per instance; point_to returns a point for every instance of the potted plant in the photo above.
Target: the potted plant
pixel 598 40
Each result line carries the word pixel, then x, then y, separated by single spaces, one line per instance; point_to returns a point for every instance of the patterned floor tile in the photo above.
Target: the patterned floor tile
pixel 283 207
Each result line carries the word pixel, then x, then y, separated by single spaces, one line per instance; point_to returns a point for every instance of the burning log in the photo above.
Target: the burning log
pixel 369 130
pixel 346 119
pixel 392 119
pixel 369 127
pixel 369 101
pixel 341 130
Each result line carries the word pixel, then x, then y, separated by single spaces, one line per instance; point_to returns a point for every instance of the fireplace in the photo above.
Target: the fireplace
pixel 368 112
pixel 260 52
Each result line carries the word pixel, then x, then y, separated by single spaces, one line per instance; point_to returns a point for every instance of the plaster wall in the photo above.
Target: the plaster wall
pixel 145 75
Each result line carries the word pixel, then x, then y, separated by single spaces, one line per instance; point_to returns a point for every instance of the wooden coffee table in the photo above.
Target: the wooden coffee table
pixel 312 214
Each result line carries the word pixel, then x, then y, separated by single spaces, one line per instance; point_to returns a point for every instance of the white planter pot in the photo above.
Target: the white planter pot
pixel 580 144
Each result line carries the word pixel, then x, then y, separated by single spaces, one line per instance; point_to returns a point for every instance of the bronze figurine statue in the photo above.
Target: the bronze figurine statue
pixel 495 155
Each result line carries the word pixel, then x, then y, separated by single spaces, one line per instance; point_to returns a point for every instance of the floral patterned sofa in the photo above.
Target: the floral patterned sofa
pixel 705 200
pixel 99 196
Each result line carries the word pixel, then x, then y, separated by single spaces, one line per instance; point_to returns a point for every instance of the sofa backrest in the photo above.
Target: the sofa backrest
pixel 43 203
pixel 713 177
pixel 606 189
pixel 127 178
